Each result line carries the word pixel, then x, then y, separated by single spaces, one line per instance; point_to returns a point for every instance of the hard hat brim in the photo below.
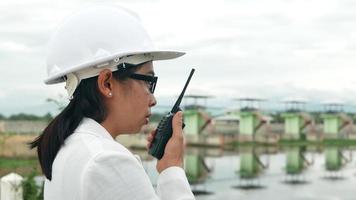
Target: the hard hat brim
pixel 156 55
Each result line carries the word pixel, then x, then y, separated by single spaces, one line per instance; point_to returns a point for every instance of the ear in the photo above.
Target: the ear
pixel 105 83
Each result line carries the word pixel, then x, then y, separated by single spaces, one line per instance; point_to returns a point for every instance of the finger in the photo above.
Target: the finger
pixel 151 135
pixel 149 143
pixel 153 132
pixel 150 138
pixel 177 123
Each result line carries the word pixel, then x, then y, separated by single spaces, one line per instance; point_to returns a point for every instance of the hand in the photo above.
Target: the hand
pixel 150 138
pixel 174 151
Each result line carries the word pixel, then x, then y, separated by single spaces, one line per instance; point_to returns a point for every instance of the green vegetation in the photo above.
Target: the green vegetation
pixel 277 117
pixel 24 116
pixel 327 142
pixel 340 142
pixel 299 143
pixel 12 163
pixel 249 143
pixel 30 190
pixel 317 116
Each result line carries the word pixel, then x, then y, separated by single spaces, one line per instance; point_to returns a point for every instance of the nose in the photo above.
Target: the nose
pixel 153 101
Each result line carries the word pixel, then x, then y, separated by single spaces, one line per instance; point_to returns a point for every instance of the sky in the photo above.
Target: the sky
pixel 275 50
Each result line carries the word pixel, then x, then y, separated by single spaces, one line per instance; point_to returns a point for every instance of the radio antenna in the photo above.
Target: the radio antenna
pixel 176 105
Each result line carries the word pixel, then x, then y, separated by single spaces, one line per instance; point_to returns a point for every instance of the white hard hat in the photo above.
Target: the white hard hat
pixel 96 38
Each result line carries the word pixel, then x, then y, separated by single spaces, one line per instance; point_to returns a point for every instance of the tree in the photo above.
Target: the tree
pixel 23 116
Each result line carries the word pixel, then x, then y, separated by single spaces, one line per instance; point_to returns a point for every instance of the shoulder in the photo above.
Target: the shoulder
pixel 111 157
pixel 111 174
pixel 95 145
pixel 108 164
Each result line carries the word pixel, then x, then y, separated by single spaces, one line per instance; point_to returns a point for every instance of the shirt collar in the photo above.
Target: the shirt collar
pixel 90 126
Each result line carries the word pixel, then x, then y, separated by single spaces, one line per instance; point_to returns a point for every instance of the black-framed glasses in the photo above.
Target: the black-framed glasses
pixel 151 80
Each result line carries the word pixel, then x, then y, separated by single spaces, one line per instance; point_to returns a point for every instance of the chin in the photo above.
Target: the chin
pixel 139 129
pixel 135 131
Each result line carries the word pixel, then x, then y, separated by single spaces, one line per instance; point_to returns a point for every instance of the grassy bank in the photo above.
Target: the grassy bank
pixel 327 142
pixel 18 165
pixel 17 162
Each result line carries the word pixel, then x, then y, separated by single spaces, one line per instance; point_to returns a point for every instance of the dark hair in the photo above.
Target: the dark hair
pixel 88 102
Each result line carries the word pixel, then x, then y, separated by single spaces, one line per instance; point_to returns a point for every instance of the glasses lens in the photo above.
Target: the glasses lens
pixel 153 86
pixel 150 80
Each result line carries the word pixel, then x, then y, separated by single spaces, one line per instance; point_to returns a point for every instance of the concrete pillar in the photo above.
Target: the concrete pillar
pixel 194 122
pixel 250 122
pixel 11 187
pixel 334 123
pixel 294 125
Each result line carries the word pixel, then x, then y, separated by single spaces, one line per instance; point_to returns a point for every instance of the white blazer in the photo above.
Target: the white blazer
pixel 93 166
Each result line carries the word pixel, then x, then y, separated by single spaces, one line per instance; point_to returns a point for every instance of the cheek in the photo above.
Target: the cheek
pixel 141 94
pixel 141 101
pixel 138 100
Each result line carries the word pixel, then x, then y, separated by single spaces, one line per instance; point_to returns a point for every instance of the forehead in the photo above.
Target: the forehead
pixel 146 68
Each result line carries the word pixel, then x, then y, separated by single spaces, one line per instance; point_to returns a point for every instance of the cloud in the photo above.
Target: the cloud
pixel 13 47
pixel 266 48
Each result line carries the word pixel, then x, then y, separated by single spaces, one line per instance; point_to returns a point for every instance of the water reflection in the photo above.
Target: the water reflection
pixel 251 167
pixel 272 173
pixel 197 170
pixel 296 164
pixel 335 160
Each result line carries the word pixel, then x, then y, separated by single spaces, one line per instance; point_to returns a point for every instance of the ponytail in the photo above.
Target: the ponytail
pixel 87 102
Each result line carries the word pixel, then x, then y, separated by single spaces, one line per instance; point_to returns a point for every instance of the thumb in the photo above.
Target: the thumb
pixel 177 123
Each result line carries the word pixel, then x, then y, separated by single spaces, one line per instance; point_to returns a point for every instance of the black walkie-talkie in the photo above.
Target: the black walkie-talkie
pixel 164 129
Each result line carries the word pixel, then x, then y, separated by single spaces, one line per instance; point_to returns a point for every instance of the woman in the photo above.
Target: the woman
pixel 105 57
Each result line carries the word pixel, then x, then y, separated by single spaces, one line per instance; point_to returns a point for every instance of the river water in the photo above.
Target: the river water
pixel 251 173
pixel 255 173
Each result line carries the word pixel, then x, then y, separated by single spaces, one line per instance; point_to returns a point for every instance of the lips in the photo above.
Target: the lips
pixel 148 118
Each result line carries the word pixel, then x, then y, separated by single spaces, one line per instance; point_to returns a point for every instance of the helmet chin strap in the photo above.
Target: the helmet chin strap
pixel 72 82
